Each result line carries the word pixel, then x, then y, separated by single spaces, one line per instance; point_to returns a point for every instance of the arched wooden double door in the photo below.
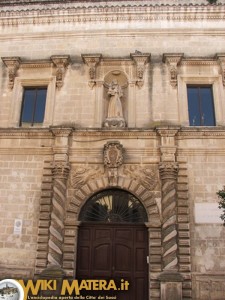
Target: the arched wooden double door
pixel 113 244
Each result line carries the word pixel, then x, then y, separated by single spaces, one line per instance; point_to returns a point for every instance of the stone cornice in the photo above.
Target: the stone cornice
pixel 181 132
pixel 201 132
pixel 25 133
pixel 70 13
pixel 104 134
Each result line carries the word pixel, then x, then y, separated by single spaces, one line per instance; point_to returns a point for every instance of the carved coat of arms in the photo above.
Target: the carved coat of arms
pixel 113 154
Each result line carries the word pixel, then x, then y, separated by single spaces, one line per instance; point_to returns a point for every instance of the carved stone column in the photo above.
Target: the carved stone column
pixel 170 278
pixel 168 173
pixel 60 172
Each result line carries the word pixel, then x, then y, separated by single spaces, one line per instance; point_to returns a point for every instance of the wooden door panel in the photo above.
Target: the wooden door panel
pixel 123 258
pixel 101 257
pixel 115 251
pixel 140 259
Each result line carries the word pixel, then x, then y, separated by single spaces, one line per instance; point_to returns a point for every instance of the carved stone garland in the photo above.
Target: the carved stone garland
pixel 60 172
pixel 168 173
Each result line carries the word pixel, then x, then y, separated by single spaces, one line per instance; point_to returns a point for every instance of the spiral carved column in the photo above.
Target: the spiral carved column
pixel 168 173
pixel 60 174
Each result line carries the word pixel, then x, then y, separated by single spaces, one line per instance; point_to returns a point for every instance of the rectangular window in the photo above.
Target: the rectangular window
pixel 33 106
pixel 200 106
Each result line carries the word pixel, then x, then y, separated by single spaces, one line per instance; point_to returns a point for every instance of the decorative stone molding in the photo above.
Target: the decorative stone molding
pixel 221 59
pixel 173 60
pixel 140 59
pixel 113 158
pixel 90 12
pixel 61 62
pixel 13 64
pixel 91 60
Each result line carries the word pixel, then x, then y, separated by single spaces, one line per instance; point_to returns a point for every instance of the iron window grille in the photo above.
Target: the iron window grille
pixel 113 206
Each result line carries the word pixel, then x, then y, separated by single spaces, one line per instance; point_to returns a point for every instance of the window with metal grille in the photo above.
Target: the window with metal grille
pixel 200 105
pixel 114 206
pixel 33 106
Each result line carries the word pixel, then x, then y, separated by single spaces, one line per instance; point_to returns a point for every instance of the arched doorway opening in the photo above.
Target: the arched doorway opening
pixel 113 243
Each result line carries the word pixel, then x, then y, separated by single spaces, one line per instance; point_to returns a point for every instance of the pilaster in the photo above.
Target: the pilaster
pixel 60 172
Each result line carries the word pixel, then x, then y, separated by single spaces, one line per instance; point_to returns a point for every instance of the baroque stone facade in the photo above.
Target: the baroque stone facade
pixel 116 116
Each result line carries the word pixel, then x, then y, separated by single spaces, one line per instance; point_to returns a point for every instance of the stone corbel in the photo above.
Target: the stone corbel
pixel 140 59
pixel 221 59
pixel 13 64
pixel 113 159
pixel 173 60
pixel 91 60
pixel 61 63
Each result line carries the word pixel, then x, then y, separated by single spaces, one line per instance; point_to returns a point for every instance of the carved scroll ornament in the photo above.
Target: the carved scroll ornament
pixel 140 59
pixel 12 63
pixel 61 62
pixel 173 60
pixel 92 60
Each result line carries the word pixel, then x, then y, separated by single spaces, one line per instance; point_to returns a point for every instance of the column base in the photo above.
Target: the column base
pixel 171 285
pixel 55 276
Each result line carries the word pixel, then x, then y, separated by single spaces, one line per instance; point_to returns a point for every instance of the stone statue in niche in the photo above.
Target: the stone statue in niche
pixel 115 106
pixel 115 117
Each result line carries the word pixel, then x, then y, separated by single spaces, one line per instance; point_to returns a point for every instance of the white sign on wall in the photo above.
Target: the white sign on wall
pixel 207 213
pixel 18 224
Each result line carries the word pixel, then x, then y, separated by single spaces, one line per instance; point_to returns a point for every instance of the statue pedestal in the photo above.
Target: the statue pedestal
pixel 115 123
pixel 171 285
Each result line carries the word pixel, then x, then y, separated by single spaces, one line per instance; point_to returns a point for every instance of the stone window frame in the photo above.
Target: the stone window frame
pixel 17 98
pixel 217 89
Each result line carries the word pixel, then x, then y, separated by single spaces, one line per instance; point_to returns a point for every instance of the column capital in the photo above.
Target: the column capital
pixel 168 170
pixel 60 169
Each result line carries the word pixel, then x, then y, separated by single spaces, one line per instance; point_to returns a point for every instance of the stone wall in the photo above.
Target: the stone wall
pixel 185 41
